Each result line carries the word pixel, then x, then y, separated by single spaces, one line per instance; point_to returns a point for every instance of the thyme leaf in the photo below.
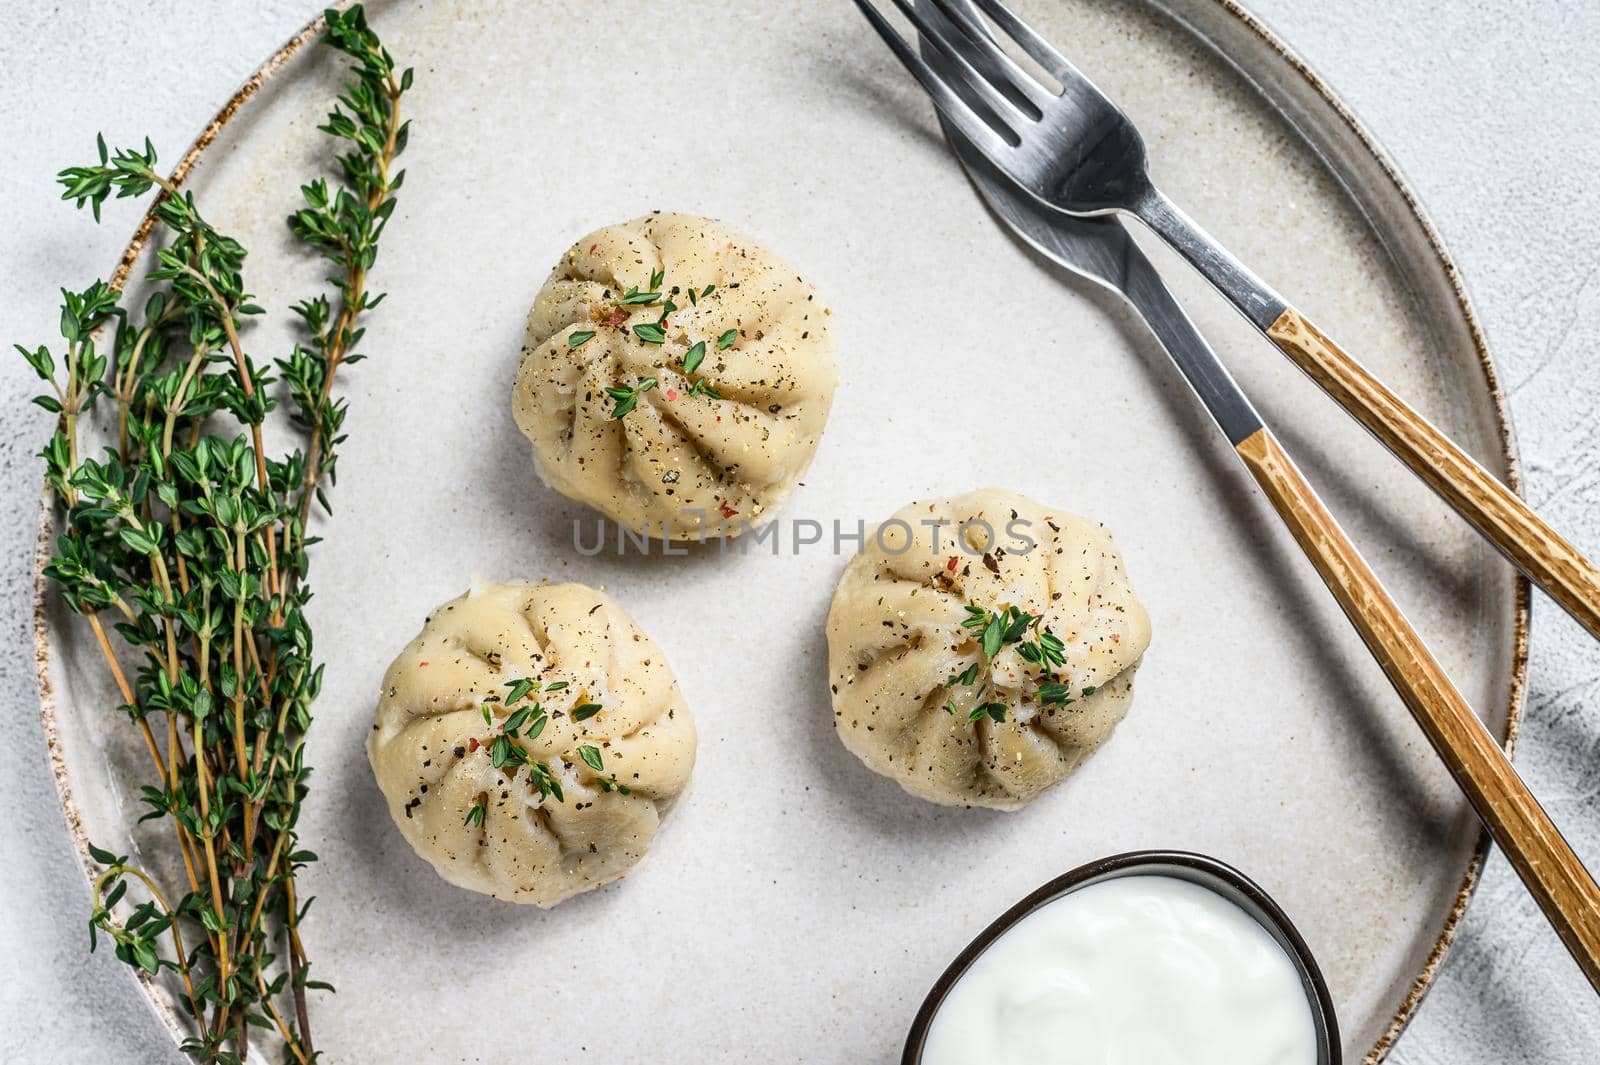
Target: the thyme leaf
pixel 695 356
pixel 625 399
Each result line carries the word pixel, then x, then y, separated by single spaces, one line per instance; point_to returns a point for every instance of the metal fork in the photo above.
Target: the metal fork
pixel 1075 154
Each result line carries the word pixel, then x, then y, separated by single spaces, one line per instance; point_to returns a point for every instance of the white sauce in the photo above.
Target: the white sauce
pixel 1138 970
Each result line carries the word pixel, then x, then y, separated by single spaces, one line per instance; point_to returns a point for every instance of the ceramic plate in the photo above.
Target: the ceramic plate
pixel 798 907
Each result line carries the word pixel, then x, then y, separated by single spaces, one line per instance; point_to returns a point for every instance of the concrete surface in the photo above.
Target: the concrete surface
pixel 1492 116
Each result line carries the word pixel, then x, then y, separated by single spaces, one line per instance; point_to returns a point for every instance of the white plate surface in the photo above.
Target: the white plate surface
pixel 798 907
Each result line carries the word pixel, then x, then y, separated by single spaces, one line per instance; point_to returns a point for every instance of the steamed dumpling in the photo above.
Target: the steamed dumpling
pixel 601 755
pixel 710 442
pixel 981 647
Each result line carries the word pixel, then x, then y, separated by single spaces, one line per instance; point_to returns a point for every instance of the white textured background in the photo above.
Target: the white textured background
pixel 1493 117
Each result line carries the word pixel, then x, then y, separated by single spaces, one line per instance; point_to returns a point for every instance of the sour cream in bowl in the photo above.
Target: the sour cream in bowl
pixel 1152 958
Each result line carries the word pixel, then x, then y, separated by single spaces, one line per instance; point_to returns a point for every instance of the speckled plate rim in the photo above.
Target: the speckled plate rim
pixel 1241 20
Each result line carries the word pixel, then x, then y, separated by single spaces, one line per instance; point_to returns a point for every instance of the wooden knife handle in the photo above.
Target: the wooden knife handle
pixel 1493 509
pixel 1559 882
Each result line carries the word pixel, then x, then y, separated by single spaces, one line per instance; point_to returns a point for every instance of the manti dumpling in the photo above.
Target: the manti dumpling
pixel 676 377
pixel 979 648
pixel 530 741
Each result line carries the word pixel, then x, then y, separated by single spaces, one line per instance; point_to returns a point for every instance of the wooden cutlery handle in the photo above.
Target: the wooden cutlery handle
pixel 1495 510
pixel 1559 882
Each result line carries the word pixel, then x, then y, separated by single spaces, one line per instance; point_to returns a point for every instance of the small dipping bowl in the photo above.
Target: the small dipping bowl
pixel 1218 877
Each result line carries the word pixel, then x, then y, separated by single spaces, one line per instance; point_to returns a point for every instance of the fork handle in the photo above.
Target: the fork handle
pixel 1493 509
pixel 1558 881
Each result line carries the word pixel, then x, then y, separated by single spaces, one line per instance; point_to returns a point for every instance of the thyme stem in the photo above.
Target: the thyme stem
pixel 193 544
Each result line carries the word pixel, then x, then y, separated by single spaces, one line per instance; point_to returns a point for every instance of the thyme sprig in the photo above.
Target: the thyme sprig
pixel 191 537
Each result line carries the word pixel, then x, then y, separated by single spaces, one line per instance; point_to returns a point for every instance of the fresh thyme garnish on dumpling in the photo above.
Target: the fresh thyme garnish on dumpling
pixel 633 296
pixel 650 333
pixel 463 714
pixel 676 375
pixel 526 722
pixel 995 631
pixel 628 398
pixel 655 333
pixel 691 362
pixel 694 357
pixel 982 685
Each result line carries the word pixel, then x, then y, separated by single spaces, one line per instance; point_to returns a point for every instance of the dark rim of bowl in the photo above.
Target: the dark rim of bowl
pixel 1200 869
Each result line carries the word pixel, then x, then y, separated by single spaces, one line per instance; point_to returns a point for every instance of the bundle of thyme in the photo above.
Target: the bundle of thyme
pixel 190 538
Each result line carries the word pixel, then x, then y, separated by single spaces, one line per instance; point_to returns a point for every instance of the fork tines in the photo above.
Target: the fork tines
pixel 977 68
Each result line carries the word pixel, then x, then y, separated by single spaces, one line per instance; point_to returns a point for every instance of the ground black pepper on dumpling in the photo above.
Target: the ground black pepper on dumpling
pixel 718 356
pixel 979 648
pixel 587 744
